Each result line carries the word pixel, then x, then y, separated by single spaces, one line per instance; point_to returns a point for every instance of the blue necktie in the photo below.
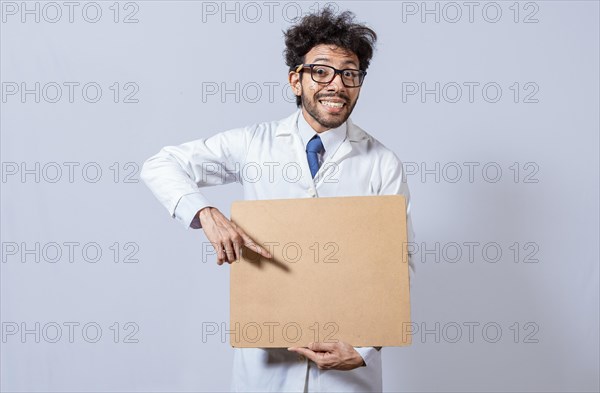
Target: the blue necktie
pixel 313 148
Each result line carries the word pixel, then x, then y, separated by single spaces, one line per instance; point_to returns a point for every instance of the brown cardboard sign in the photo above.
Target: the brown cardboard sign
pixel 339 272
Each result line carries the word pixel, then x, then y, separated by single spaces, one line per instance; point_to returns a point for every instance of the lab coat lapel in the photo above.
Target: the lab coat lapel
pixel 354 135
pixel 287 130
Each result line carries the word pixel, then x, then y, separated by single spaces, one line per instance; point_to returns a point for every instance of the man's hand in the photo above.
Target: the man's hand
pixel 226 236
pixel 332 356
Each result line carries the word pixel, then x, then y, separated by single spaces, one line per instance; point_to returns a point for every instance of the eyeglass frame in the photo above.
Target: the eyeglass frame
pixel 301 67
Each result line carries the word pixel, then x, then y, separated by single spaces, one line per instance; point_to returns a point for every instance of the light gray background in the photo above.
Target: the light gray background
pixel 175 48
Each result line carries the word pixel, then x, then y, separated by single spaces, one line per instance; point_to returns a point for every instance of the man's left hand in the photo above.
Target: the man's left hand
pixel 331 356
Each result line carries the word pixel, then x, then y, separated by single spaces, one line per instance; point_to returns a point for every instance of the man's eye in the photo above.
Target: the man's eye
pixel 350 74
pixel 321 71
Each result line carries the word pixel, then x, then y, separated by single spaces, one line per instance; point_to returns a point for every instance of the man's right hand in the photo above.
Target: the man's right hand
pixel 226 236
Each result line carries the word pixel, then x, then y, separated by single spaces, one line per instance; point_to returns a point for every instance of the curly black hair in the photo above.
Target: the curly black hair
pixel 326 27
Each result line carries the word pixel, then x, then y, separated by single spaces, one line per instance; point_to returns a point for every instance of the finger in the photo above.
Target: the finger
pixel 237 248
pixel 220 253
pixel 237 241
pixel 305 352
pixel 251 244
pixel 322 347
pixel 229 251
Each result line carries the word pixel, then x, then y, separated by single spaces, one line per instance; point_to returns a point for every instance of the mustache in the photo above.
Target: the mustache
pixel 342 96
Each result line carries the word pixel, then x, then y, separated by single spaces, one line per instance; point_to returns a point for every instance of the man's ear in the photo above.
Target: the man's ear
pixel 294 80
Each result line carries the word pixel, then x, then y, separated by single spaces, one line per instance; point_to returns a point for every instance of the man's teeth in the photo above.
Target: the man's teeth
pixel 333 104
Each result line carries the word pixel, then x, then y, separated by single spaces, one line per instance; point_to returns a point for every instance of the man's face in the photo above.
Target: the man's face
pixel 321 102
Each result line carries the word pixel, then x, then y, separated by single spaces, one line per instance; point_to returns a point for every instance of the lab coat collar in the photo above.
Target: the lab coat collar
pixel 289 125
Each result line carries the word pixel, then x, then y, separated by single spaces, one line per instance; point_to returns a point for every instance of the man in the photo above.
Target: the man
pixel 328 56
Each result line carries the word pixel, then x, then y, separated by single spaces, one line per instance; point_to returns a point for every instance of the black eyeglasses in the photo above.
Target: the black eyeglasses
pixel 325 74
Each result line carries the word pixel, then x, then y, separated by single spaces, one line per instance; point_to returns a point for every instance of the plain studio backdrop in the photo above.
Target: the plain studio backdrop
pixel 492 107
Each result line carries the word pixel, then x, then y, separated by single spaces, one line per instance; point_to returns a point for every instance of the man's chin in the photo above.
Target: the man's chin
pixel 329 120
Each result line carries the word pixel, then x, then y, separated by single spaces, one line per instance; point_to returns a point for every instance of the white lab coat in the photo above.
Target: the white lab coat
pixel 269 159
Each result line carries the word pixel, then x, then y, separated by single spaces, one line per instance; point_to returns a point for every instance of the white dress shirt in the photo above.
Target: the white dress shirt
pixel 332 138
pixel 353 164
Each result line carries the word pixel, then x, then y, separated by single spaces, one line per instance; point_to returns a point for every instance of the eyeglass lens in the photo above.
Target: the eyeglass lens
pixel 325 74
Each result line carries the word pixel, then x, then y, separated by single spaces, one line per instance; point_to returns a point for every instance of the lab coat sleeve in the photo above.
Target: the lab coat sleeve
pixel 394 182
pixel 176 174
pixel 367 353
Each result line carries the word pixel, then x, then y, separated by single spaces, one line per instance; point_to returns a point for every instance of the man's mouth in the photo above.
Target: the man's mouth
pixel 332 105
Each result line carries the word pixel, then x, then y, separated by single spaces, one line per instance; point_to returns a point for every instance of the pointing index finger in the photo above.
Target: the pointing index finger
pixel 251 244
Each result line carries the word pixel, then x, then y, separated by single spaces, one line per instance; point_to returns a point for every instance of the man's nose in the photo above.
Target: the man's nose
pixel 336 83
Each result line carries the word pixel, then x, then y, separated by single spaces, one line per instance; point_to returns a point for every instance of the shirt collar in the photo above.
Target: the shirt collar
pixel 332 138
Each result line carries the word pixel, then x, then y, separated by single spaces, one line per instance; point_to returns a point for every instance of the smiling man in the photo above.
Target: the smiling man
pixel 327 55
